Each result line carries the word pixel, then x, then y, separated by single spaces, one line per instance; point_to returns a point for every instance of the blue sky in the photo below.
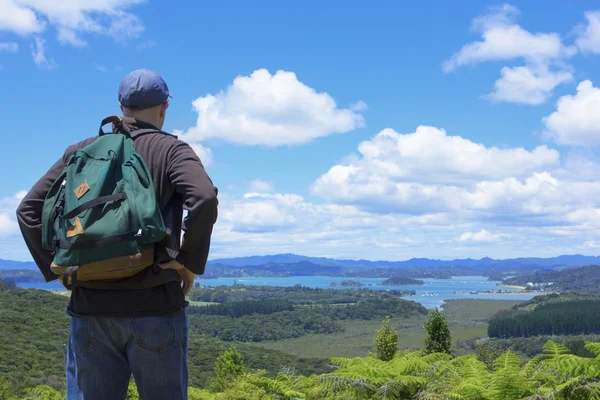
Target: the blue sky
pixel 339 129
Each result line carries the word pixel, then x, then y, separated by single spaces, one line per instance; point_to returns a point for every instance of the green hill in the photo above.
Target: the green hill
pixel 583 279
pixel 34 327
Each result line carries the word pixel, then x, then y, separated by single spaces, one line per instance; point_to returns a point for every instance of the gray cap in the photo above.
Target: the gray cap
pixel 142 89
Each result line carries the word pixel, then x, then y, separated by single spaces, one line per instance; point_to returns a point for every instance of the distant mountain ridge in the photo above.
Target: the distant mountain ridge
pixel 302 262
pixel 12 265
pixel 552 262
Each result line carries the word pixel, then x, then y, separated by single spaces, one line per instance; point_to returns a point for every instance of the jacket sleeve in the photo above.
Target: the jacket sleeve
pixel 190 180
pixel 29 218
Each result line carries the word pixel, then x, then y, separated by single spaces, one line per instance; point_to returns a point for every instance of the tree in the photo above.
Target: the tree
pixel 487 352
pixel 228 367
pixel 8 284
pixel 438 338
pixel 386 341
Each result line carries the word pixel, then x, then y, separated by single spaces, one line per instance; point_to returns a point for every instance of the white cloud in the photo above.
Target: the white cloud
pixel 39 56
pixel 531 84
pixel 429 172
pixel 7 225
pixel 576 120
pixel 10 47
pixel 429 155
pixel 260 186
pixel 8 221
pixel 263 212
pixel 269 110
pixel 588 39
pixel 504 40
pixel 101 68
pixel 592 244
pixel 204 153
pixel 68 36
pixel 18 19
pixel 71 18
pixel 359 106
pixel 482 236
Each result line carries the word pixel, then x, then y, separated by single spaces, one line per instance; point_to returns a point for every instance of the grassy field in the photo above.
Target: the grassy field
pixel 467 319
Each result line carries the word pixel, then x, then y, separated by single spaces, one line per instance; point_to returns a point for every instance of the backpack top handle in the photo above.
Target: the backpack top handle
pixel 117 122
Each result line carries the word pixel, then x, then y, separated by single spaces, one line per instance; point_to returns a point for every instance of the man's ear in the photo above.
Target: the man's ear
pixel 163 109
pixel 122 108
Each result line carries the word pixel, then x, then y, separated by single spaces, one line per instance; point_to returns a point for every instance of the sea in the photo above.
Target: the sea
pixel 433 293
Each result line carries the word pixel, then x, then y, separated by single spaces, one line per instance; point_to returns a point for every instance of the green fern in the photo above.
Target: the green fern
pixel 593 348
pixel 44 392
pixel 580 389
pixel 508 360
pixel 552 349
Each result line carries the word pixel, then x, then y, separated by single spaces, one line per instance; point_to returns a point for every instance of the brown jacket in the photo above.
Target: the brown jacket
pixel 180 182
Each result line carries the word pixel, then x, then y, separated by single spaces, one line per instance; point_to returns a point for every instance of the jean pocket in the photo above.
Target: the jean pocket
pixel 81 337
pixel 154 334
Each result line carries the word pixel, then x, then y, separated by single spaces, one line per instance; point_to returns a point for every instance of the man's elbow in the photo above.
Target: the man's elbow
pixel 21 211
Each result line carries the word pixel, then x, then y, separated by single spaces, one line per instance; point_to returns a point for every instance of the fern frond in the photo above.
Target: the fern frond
pixel 569 366
pixel 532 366
pixel 507 360
pixel 469 391
pixel 553 349
pixel 593 347
pixel 340 361
pixel 580 388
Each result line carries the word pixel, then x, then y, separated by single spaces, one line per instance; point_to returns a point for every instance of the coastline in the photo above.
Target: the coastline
pixel 514 286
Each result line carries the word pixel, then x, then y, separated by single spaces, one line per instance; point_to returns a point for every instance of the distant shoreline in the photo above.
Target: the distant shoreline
pixel 513 286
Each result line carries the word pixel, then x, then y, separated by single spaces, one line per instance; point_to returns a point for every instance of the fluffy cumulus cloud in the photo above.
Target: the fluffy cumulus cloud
pixel 429 173
pixel 532 84
pixel 423 193
pixel 576 120
pixel 8 221
pixel 260 223
pixel 71 18
pixel 271 110
pixel 588 39
pixel 503 40
pixel 204 153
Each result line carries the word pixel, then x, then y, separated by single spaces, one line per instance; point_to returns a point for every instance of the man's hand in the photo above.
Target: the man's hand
pixel 185 275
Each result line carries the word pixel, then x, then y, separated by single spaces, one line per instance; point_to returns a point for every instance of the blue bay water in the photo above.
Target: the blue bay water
pixel 431 294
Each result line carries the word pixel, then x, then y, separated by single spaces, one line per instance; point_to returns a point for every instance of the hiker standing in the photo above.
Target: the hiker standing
pixel 106 220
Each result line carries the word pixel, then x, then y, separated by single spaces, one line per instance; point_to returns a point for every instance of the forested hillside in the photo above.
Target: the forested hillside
pixel 34 327
pixel 583 279
pixel 574 317
pixel 266 313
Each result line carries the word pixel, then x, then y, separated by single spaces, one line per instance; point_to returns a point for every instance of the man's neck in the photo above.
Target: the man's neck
pixel 152 124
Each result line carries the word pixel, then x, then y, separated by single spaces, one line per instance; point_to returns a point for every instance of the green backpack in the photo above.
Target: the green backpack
pixel 100 217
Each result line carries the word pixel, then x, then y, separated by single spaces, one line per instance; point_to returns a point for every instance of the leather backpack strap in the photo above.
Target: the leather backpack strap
pixel 118 125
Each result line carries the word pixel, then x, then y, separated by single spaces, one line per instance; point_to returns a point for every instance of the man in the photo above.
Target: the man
pixel 138 325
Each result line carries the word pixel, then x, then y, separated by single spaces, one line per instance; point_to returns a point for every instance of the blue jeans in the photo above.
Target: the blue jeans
pixel 103 353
